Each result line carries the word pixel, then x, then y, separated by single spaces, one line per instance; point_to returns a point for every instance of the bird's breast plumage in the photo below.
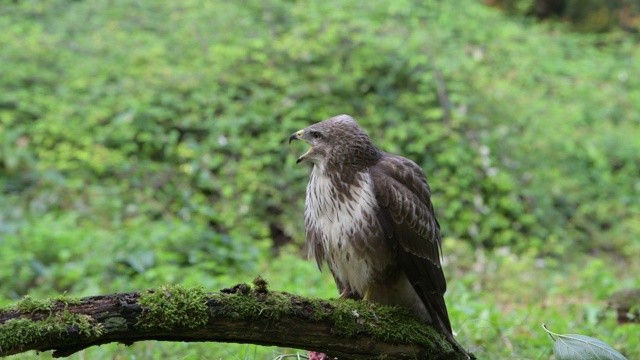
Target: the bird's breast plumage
pixel 342 228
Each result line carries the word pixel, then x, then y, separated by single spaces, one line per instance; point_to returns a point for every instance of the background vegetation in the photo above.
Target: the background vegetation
pixel 144 142
pixel 582 15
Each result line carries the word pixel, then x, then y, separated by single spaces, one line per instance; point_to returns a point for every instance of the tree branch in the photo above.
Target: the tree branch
pixel 340 328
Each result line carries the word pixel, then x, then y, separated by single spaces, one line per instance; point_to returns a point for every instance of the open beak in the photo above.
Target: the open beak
pixel 298 136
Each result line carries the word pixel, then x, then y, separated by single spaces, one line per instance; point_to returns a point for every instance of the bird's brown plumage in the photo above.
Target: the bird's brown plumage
pixel 369 215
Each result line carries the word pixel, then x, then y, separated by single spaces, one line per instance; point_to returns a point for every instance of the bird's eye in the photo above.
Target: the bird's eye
pixel 316 135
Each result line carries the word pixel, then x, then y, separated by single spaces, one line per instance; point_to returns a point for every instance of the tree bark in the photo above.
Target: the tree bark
pixel 345 329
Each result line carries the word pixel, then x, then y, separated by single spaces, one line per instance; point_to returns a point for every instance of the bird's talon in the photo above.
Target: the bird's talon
pixel 367 294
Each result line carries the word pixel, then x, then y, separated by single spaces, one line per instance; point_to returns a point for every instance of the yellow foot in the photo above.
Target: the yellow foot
pixel 367 294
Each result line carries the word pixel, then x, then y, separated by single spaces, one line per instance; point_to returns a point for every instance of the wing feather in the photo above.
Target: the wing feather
pixel 408 219
pixel 406 196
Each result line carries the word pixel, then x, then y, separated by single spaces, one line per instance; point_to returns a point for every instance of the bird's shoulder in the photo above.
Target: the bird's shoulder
pixel 394 172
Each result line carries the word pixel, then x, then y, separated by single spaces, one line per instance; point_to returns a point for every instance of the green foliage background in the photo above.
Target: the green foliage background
pixel 144 142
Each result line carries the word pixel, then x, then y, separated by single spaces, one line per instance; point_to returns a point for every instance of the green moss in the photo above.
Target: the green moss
pixel 261 285
pixel 390 324
pixel 22 331
pixel 85 324
pixel 256 302
pixel 67 300
pixel 173 306
pixel 29 305
pixel 17 332
pixel 274 305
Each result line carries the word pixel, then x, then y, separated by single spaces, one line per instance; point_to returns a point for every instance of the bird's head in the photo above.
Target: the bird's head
pixel 339 138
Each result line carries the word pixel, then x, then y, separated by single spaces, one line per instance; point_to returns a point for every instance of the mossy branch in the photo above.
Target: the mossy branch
pixel 340 328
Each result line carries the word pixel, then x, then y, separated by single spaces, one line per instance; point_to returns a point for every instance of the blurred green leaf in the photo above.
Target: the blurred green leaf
pixel 580 347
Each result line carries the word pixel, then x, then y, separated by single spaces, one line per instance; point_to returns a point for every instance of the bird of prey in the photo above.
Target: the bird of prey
pixel 369 215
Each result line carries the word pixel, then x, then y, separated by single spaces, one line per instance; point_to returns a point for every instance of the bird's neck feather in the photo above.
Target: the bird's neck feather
pixel 346 161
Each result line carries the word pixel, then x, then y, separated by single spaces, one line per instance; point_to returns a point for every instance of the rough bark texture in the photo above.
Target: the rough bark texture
pixel 340 328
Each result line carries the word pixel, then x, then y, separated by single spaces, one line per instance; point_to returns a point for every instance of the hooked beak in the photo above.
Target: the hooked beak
pixel 295 136
pixel 298 136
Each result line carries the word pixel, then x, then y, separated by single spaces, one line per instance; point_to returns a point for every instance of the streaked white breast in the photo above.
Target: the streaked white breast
pixel 337 220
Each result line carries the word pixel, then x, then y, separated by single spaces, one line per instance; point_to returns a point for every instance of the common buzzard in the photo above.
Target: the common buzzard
pixel 369 215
